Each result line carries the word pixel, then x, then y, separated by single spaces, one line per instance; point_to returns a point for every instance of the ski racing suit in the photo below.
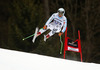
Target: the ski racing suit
pixel 56 24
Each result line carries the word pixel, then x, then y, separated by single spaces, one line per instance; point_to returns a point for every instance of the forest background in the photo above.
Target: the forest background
pixel 19 18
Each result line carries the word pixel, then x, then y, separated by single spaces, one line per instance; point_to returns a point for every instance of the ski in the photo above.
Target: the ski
pixel 35 34
pixel 29 36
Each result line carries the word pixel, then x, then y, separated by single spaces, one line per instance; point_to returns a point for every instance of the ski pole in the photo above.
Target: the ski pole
pixel 29 36
pixel 61 45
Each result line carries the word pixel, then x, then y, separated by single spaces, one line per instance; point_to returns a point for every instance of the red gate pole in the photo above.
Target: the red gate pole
pixel 64 54
pixel 65 42
pixel 80 45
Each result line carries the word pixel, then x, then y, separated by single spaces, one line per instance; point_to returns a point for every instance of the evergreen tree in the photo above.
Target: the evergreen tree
pixel 25 16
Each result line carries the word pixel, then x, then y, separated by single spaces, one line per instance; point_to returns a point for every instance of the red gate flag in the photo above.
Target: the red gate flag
pixel 72 46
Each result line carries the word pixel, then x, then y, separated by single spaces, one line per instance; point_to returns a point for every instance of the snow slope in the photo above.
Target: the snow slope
pixel 14 60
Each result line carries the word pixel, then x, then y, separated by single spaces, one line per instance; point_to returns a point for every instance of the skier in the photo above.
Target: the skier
pixel 57 23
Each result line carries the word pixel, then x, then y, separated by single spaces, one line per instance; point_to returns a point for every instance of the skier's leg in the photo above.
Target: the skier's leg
pixel 51 33
pixel 45 28
pixel 41 31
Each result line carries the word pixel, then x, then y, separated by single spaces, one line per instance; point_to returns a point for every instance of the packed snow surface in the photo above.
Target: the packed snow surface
pixel 14 60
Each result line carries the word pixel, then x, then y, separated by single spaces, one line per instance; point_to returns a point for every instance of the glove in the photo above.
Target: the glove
pixel 60 33
pixel 45 27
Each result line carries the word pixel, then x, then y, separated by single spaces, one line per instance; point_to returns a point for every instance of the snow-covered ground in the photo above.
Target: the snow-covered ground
pixel 14 60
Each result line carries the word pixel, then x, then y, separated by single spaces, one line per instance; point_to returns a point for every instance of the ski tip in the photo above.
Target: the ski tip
pixel 33 41
pixel 37 28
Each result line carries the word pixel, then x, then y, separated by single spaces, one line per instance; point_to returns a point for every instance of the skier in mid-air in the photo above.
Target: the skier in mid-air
pixel 57 23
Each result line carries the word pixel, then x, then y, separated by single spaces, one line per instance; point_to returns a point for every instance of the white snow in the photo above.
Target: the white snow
pixel 14 60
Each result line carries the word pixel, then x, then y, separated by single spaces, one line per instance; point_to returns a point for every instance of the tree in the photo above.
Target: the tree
pixel 24 17
pixel 46 9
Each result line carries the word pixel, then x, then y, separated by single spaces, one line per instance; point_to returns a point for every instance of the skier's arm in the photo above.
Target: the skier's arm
pixel 50 19
pixel 65 25
pixel 64 28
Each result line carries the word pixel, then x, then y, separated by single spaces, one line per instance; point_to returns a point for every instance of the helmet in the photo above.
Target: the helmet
pixel 61 10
